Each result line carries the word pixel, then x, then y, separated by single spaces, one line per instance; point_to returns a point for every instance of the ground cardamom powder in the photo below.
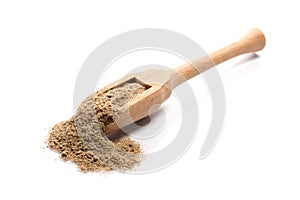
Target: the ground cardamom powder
pixel 82 141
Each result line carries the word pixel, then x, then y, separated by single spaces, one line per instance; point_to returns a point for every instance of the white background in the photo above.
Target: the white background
pixel 43 45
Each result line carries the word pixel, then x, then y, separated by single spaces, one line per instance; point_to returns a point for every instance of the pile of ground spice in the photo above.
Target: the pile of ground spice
pixel 82 140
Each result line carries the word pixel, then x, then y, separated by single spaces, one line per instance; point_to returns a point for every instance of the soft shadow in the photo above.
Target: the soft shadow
pixel 246 59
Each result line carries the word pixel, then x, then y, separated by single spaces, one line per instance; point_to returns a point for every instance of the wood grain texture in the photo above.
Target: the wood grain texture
pixel 253 41
pixel 160 83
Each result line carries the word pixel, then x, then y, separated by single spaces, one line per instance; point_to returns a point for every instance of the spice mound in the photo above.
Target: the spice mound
pixel 82 138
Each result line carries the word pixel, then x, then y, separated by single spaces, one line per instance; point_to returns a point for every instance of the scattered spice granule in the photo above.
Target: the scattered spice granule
pixel 82 141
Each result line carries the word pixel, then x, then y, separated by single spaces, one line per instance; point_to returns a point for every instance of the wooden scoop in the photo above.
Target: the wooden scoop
pixel 159 83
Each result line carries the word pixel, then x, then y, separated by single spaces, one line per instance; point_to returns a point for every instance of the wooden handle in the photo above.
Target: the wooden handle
pixel 252 42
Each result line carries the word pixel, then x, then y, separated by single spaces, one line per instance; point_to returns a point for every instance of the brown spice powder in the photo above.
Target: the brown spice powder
pixel 82 140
